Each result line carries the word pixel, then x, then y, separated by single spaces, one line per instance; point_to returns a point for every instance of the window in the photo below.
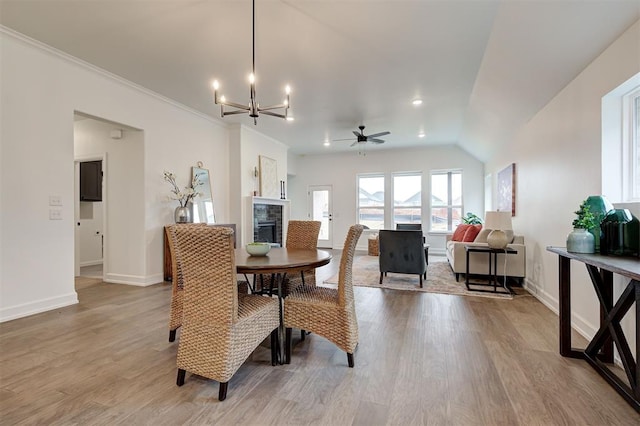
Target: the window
pixel 631 149
pixel 407 198
pixel 371 201
pixel 446 200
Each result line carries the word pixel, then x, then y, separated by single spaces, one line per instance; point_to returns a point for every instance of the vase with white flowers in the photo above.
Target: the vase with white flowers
pixel 184 197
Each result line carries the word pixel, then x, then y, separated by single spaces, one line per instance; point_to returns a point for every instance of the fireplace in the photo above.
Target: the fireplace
pixel 267 231
pixel 267 223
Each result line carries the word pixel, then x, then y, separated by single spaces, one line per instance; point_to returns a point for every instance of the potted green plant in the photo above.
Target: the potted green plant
pixel 471 219
pixel 581 240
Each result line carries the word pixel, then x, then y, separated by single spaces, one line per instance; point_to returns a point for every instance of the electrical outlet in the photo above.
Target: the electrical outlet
pixel 55 200
pixel 55 214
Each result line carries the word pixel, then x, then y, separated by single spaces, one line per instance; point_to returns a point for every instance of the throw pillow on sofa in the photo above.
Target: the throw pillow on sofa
pixel 458 234
pixel 482 236
pixel 471 233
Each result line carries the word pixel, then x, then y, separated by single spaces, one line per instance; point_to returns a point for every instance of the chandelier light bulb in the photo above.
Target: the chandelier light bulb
pixel 252 78
pixel 287 89
pixel 215 85
pixel 222 99
pixel 417 102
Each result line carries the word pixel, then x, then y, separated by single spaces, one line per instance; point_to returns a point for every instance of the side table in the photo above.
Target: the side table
pixel 493 270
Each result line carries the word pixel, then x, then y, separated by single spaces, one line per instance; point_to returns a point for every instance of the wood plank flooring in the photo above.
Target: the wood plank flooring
pixel 423 358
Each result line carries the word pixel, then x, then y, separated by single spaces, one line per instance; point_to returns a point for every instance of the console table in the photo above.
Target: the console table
pixel 599 352
pixel 167 269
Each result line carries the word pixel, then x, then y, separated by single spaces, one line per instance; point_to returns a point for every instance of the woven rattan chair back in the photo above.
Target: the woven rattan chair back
pixel 345 275
pixel 175 310
pixel 303 234
pixel 220 327
pixel 326 311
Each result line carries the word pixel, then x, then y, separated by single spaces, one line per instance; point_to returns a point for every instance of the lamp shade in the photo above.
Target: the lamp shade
pixel 498 220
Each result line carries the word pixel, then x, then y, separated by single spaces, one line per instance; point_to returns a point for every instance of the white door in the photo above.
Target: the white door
pixel 320 208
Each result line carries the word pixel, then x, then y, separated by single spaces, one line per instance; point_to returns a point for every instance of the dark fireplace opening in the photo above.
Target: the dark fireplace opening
pixel 267 231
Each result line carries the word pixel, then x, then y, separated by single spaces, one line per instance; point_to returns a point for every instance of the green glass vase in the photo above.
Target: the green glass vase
pixel 620 234
pixel 599 205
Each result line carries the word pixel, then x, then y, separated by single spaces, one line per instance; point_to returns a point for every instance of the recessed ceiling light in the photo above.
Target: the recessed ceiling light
pixel 327 143
pixel 417 102
pixel 421 135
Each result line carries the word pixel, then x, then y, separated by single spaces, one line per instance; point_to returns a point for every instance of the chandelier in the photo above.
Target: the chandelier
pixel 253 109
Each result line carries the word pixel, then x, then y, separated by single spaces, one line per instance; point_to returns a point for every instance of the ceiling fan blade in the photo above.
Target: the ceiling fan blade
pixel 375 135
pixel 357 134
pixel 354 144
pixel 375 140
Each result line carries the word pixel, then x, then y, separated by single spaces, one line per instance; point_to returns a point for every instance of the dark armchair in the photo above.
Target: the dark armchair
pixel 402 252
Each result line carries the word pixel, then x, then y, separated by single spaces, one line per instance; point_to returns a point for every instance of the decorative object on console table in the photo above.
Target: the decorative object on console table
pixel 184 197
pixel 507 189
pixel 268 177
pixel 620 234
pixel 501 229
pixel 580 240
pixel 599 205
pixel 202 206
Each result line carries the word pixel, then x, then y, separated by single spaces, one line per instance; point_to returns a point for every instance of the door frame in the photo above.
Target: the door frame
pixel 76 210
pixel 328 243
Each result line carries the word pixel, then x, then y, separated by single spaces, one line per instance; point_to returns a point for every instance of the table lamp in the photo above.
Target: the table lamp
pixel 500 225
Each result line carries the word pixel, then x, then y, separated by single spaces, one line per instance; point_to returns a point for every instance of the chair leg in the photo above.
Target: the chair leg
pixel 222 391
pixel 287 346
pixel 420 280
pixel 381 275
pixel 274 347
pixel 172 335
pixel 303 334
pixel 350 359
pixel 180 380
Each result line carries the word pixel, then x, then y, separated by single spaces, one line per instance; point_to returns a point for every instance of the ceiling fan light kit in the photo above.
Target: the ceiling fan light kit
pixel 253 108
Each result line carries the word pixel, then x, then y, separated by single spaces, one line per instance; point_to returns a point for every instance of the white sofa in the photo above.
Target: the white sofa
pixel 515 263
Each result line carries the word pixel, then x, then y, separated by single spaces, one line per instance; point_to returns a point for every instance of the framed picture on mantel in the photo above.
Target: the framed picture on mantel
pixel 507 189
pixel 269 187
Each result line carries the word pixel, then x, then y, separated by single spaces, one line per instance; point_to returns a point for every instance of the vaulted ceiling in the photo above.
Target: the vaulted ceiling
pixel 482 68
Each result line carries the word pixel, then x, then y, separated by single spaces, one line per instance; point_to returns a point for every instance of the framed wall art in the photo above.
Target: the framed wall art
pixel 507 189
pixel 269 186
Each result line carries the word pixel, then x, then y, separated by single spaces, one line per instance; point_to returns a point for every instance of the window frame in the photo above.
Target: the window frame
pixel 383 206
pixel 631 145
pixel 393 206
pixel 449 206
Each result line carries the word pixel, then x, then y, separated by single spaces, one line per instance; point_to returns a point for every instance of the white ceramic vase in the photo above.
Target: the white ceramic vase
pixel 581 241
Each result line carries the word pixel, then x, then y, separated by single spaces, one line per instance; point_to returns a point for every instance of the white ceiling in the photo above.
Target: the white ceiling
pixel 483 68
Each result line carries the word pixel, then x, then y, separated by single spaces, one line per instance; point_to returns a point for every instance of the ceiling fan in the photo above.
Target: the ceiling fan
pixel 362 138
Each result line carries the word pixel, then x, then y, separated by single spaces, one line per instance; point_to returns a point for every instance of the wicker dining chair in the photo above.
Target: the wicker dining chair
pixel 221 327
pixel 175 310
pixel 302 234
pixel 326 311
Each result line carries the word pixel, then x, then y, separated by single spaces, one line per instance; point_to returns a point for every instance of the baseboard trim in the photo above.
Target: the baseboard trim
pixel 91 263
pixel 38 306
pixel 578 323
pixel 137 280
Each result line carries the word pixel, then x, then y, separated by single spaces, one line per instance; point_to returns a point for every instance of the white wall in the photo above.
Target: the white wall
pixel 558 157
pixel 43 89
pixel 340 171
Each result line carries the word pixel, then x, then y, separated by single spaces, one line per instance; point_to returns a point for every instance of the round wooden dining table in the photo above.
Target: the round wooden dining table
pixel 279 262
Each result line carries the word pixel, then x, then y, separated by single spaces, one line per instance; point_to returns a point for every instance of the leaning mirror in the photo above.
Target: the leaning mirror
pixel 203 204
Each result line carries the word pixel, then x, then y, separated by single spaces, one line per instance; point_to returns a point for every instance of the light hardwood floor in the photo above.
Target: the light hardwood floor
pixel 422 359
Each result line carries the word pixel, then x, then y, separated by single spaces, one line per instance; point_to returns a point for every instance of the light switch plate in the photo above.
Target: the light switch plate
pixel 55 200
pixel 55 214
